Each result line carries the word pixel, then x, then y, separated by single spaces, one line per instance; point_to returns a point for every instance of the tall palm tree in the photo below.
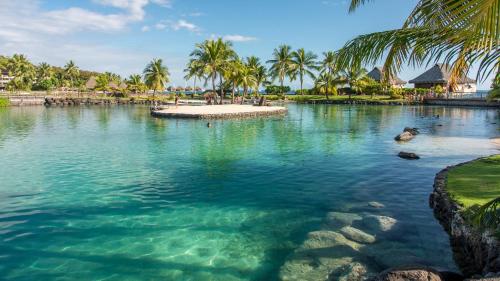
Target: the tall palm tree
pixel 135 83
pixel 156 76
pixel 259 72
pixel 194 70
pixel 247 79
pixel 303 63
pixel 23 72
pixel 328 66
pixel 71 72
pixel 281 64
pixel 233 75
pixel 459 33
pixel 214 56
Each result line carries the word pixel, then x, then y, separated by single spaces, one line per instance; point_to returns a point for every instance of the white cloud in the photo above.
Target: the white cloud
pixel 182 24
pixel 238 38
pixel 145 28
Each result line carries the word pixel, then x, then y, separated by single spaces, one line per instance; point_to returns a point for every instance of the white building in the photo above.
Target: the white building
pixel 4 80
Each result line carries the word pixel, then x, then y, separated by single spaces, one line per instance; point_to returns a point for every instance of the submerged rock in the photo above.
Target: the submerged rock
pixel 405 136
pixel 351 272
pixel 338 219
pixel 409 274
pixel 408 155
pixel 376 205
pixel 357 235
pixel 379 223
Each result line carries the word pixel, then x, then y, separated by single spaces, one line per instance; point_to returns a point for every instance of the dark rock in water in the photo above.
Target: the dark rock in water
pixel 209 125
pixel 409 274
pixel 413 131
pixel 405 136
pixel 408 155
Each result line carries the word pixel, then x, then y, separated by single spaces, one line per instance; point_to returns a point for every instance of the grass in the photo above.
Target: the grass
pixel 475 183
pixel 4 102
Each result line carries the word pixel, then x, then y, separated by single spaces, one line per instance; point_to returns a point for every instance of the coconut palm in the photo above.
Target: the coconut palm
pixel 459 33
pixel 102 83
pixel 71 72
pixel 281 64
pixel 135 83
pixel 328 67
pixel 247 79
pixel 194 70
pixel 233 75
pixel 259 72
pixel 156 76
pixel 354 76
pixel 44 71
pixel 23 72
pixel 303 63
pixel 214 56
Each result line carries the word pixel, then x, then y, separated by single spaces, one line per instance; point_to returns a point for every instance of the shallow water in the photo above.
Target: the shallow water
pixel 109 193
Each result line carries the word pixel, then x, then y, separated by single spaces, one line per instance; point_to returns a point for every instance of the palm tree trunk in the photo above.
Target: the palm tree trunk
pixel 221 89
pixel 301 85
pixel 281 89
pixel 232 92
pixel 213 87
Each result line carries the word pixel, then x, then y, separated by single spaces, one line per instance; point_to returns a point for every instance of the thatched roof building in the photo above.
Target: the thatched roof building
pixel 91 83
pixel 377 74
pixel 440 75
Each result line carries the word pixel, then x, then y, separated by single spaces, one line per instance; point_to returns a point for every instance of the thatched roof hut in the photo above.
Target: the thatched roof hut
pixel 179 89
pixel 91 83
pixel 439 74
pixel 377 74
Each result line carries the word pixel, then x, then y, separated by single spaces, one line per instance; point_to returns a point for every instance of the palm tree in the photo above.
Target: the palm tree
pixel 326 82
pixel 247 79
pixel 354 77
pixel 156 76
pixel 194 70
pixel 71 72
pixel 259 72
pixel 135 84
pixel 233 75
pixel 214 56
pixel 459 33
pixel 102 83
pixel 44 72
pixel 303 63
pixel 328 66
pixel 23 72
pixel 281 63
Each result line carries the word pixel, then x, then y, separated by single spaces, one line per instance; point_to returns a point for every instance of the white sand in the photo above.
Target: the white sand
pixel 215 110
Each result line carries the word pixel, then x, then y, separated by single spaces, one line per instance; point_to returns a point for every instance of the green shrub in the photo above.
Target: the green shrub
pixel 4 102
pixel 396 93
pixel 273 89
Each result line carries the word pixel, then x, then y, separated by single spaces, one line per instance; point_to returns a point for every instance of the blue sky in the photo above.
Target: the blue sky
pixel 123 35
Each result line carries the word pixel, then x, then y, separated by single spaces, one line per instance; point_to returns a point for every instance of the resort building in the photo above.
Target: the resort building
pixel 377 74
pixel 4 79
pixel 439 75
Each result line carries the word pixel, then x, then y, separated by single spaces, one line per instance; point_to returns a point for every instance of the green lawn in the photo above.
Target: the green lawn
pixel 475 183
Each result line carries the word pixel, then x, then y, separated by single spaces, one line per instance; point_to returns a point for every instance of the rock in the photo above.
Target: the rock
pixel 357 235
pixel 405 136
pixel 338 219
pixel 413 131
pixel 322 253
pixel 376 205
pixel 409 274
pixel 351 272
pixel 408 155
pixel 379 223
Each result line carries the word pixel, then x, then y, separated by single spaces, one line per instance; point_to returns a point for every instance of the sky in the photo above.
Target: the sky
pixel 122 36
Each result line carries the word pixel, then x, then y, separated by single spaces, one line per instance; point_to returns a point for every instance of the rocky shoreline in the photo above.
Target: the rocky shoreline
pixel 67 101
pixel 476 253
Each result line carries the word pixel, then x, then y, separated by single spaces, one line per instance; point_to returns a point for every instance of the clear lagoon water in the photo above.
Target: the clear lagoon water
pixel 110 193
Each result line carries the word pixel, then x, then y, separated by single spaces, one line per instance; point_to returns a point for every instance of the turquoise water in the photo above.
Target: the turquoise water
pixel 110 193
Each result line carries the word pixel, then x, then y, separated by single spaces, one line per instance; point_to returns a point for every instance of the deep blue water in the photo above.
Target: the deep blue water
pixel 110 193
